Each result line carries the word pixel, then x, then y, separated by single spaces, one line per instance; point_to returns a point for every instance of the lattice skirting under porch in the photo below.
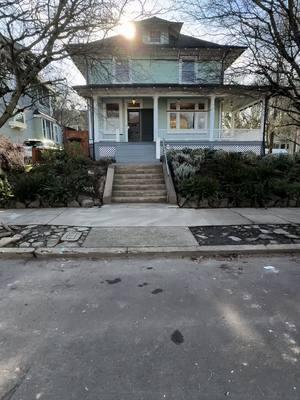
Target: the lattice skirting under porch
pixel 243 147
pixel 108 149
pixel 105 150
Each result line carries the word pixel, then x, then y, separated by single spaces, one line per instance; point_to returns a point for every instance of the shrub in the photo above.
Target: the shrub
pixel 27 186
pixel 5 191
pixel 184 171
pixel 243 179
pixel 199 187
pixel 11 155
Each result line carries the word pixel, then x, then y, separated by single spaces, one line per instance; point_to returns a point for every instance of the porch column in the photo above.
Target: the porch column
pixel 212 117
pixel 96 119
pixel 155 126
pixel 92 127
pixel 90 117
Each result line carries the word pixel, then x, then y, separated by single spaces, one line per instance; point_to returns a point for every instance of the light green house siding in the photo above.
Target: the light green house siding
pixel 154 71
pixel 100 72
pixel 145 71
pixel 209 72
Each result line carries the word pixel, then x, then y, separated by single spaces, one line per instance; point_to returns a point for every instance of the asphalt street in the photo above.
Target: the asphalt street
pixel 142 329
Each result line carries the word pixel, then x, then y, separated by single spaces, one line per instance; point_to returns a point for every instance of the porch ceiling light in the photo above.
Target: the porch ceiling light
pixel 133 101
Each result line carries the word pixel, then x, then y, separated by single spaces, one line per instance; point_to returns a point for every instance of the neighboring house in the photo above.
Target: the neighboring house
pixel 35 122
pixel 163 88
pixel 289 143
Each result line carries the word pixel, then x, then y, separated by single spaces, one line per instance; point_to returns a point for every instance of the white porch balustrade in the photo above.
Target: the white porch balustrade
pixel 237 135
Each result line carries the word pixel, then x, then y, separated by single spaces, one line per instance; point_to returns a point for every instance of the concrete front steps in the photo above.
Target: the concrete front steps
pixel 139 184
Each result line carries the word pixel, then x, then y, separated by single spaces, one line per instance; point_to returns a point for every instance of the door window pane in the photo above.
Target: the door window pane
pixel 186 120
pixel 188 71
pixel 134 117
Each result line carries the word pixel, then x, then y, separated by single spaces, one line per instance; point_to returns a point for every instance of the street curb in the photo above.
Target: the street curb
pixel 13 252
pixel 115 252
pixel 80 252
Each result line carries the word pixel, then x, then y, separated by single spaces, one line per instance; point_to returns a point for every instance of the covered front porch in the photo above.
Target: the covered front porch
pixel 232 120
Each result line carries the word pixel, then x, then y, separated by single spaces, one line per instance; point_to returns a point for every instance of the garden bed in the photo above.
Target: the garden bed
pixel 206 178
pixel 61 180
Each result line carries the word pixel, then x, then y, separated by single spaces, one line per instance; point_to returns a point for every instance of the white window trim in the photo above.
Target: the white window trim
pixel 112 101
pixel 194 60
pixel 114 80
pixel 196 111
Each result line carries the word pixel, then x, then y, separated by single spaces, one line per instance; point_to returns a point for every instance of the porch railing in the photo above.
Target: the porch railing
pixel 238 135
pixel 224 134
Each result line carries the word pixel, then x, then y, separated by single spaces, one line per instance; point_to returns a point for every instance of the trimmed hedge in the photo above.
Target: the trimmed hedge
pixel 206 178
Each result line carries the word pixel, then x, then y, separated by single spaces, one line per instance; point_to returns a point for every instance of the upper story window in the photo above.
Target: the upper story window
pixel 155 36
pixel 47 129
pixel 122 70
pixel 188 71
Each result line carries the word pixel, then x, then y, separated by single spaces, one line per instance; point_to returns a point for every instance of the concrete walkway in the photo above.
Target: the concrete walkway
pixel 149 215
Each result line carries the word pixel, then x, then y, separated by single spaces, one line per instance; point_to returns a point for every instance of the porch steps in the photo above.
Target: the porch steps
pixel 139 184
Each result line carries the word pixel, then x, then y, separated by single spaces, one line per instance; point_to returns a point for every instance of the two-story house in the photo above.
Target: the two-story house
pixel 163 87
pixel 36 121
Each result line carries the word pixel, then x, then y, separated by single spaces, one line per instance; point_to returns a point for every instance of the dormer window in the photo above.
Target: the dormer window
pixel 188 71
pixel 154 36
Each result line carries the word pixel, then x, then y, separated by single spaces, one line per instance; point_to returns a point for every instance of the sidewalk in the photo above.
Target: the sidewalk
pixel 149 215
pixel 123 230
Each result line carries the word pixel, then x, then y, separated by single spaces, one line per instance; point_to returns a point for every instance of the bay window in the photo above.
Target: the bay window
pixel 187 115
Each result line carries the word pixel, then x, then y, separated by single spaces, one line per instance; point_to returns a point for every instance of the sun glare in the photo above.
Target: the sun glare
pixel 128 30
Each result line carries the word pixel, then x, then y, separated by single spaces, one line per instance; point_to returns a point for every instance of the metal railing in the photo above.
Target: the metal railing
pixel 165 156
